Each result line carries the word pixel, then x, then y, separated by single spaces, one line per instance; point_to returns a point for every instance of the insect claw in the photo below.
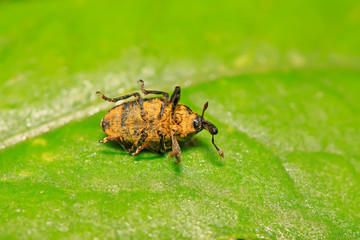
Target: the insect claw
pixel 221 153
pixel 102 95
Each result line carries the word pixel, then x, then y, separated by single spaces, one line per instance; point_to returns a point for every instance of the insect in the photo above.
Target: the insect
pixel 156 124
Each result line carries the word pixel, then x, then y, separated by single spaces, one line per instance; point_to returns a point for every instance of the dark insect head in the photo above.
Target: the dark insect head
pixel 200 123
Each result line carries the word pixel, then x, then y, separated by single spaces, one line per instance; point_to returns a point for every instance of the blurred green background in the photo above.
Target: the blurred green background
pixel 282 81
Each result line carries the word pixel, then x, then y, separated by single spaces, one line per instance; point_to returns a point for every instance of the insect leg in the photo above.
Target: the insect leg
pixel 146 92
pixel 175 98
pixel 138 150
pixel 161 148
pixel 135 94
pixel 176 150
pixel 108 139
pixel 139 143
pixel 161 111
pixel 139 99
pixel 165 94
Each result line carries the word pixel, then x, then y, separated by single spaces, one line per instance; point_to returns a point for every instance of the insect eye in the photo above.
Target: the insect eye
pixel 197 123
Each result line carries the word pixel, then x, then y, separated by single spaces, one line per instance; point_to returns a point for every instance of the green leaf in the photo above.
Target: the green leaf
pixel 282 81
pixel 290 169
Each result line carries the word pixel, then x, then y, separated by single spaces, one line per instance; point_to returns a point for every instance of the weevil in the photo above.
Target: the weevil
pixel 156 124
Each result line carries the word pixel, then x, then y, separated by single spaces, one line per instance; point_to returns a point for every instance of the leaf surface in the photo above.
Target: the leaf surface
pixel 282 81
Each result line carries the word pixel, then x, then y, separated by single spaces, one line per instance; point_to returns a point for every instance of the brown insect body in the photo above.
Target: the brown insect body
pixel 156 124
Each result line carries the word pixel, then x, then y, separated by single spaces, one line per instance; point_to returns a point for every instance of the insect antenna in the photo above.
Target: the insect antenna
pixel 211 128
pixel 204 108
pixel 218 149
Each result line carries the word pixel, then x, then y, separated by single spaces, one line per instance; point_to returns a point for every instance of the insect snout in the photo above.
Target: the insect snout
pixel 210 127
